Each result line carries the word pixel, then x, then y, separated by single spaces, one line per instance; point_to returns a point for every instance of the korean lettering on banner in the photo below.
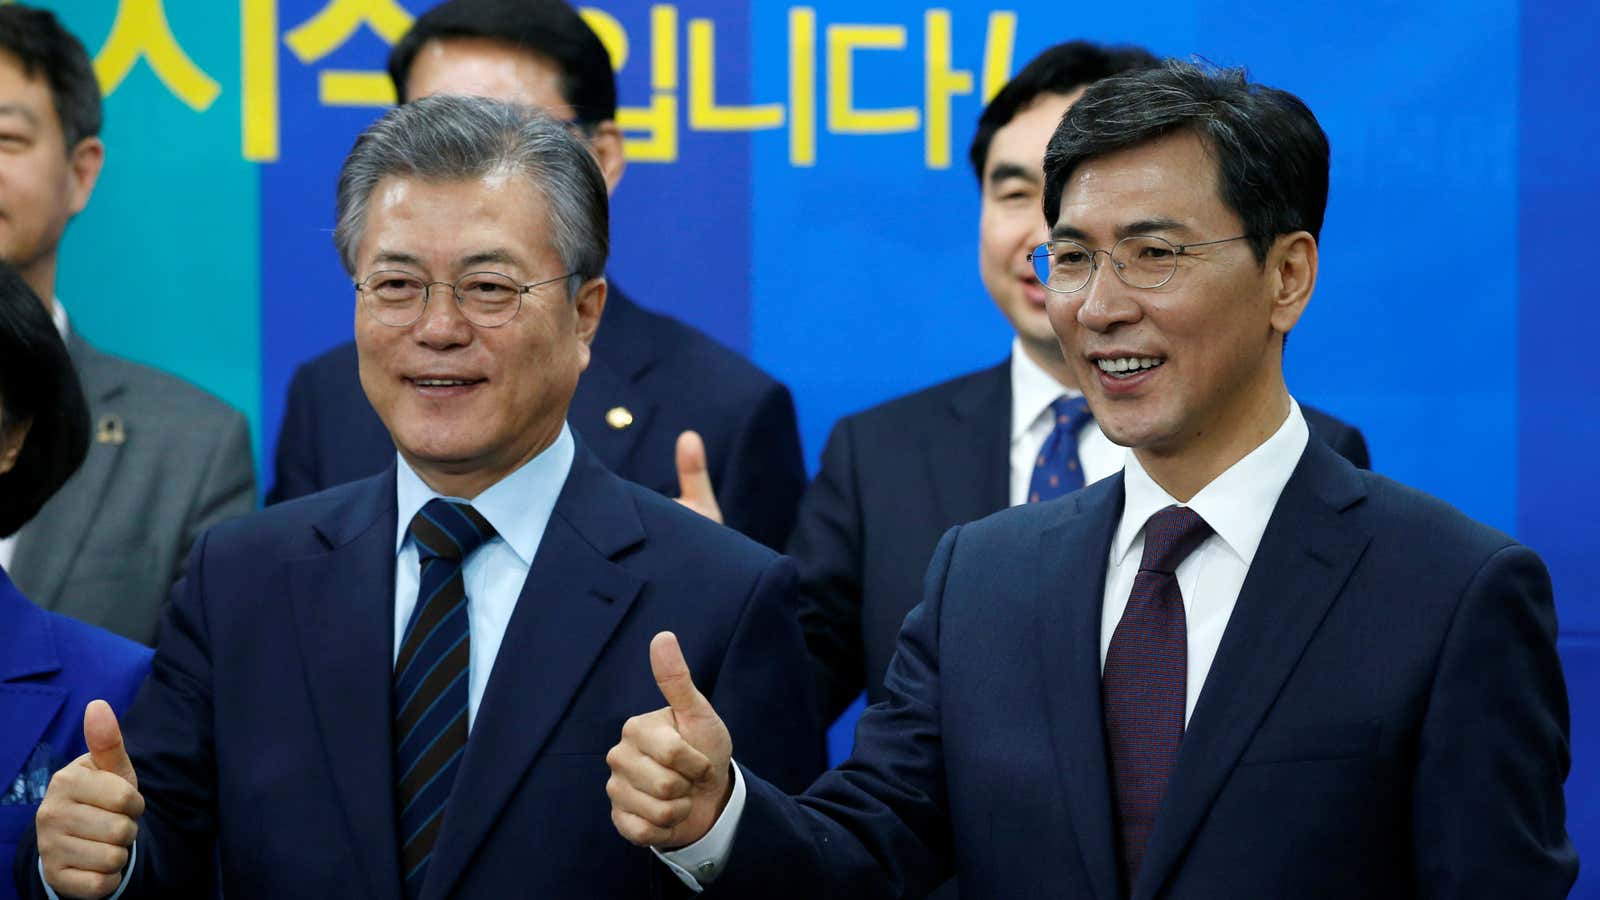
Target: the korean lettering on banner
pixel 652 131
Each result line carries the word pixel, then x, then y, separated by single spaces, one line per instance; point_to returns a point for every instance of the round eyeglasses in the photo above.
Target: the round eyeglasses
pixel 1140 261
pixel 487 299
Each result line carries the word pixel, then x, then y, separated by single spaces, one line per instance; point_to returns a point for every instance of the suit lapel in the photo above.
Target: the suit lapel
pixel 1305 557
pixel 622 351
pixel 573 599
pixel 27 650
pixel 47 546
pixel 343 607
pixel 971 476
pixel 1073 559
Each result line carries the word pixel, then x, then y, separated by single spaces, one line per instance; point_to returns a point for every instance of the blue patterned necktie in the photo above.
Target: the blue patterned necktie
pixel 1145 684
pixel 1058 471
pixel 430 680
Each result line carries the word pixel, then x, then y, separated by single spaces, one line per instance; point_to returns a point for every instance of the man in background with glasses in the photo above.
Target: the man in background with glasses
pixel 651 376
pixel 1242 667
pixel 406 685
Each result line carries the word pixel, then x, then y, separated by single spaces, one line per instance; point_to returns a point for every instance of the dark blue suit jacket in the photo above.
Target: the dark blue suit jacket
pixel 893 479
pixel 669 376
pixel 50 668
pixel 1385 718
pixel 264 733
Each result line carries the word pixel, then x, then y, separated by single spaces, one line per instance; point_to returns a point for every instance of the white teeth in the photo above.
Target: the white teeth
pixel 439 382
pixel 1127 364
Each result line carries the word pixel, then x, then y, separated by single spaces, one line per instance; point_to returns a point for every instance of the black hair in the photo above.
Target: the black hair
pixel 38 382
pixel 40 44
pixel 547 28
pixel 1272 156
pixel 1061 69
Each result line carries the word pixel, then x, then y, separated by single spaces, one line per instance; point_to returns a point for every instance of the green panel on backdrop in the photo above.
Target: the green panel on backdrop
pixel 164 265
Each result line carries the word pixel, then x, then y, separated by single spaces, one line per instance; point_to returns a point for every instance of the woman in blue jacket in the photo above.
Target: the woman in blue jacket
pixel 50 666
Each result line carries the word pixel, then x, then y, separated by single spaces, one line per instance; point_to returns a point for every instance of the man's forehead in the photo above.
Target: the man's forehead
pixel 487 67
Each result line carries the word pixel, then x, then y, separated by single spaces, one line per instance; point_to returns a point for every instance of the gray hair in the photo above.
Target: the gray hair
pixel 447 138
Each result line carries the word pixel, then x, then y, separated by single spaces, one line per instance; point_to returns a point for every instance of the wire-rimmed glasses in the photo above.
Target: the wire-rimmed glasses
pixel 1140 261
pixel 487 299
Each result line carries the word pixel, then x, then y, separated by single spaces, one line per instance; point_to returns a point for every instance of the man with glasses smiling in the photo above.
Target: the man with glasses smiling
pixel 650 378
pixel 1242 667
pixel 406 685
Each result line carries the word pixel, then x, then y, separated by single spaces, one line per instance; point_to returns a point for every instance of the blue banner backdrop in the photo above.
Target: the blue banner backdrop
pixel 798 188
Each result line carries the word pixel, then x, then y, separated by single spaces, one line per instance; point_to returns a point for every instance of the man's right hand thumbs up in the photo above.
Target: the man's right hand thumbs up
pixel 89 817
pixel 671 774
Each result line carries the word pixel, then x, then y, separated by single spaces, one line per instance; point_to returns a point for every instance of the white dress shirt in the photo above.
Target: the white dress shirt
pixel 1236 504
pixel 8 546
pixel 1032 391
pixel 519 507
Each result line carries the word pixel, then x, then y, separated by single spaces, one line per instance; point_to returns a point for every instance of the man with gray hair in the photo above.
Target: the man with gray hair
pixel 331 712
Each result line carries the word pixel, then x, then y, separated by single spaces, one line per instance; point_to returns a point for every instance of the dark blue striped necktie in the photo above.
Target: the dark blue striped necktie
pixel 1058 469
pixel 430 680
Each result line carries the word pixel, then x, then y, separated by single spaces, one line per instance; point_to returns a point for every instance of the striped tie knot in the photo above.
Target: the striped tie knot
pixel 444 529
pixel 1170 536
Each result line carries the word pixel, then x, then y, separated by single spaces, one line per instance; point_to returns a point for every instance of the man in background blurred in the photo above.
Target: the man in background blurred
pixel 652 377
pixel 167 460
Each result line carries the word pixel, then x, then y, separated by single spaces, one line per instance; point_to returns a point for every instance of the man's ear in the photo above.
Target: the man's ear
pixel 590 304
pixel 606 143
pixel 1292 267
pixel 83 167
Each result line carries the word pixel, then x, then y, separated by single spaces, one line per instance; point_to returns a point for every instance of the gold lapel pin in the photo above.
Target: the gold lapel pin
pixel 110 430
pixel 618 417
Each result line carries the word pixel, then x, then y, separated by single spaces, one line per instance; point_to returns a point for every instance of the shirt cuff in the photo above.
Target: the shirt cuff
pixel 699 864
pixel 133 856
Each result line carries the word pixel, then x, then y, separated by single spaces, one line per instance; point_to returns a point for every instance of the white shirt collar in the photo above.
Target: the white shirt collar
pixel 1236 504
pixel 518 505
pixel 58 314
pixel 1032 390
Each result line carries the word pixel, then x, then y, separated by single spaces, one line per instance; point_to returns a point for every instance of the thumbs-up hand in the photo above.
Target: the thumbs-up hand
pixel 671 775
pixel 89 817
pixel 694 479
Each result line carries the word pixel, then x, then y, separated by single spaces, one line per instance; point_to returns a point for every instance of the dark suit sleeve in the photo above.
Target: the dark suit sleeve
pixel 169 738
pixel 227 488
pixel 295 463
pixel 1488 815
pixel 826 547
pixel 877 827
pixel 762 473
pixel 763 691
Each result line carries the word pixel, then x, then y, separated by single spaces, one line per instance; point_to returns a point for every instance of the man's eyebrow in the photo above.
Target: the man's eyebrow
pixel 398 257
pixel 1002 171
pixel 497 256
pixel 1141 226
pixel 1152 226
pixel 16 109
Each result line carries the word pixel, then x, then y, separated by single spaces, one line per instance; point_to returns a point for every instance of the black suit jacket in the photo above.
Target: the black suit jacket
pixel 893 479
pixel 1385 718
pixel 667 376
pixel 262 740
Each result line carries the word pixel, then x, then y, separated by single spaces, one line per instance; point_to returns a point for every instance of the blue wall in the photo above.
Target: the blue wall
pixel 824 222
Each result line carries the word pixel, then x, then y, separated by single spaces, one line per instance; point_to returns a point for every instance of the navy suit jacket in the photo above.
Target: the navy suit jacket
pixel 50 668
pixel 667 375
pixel 893 479
pixel 263 736
pixel 1385 718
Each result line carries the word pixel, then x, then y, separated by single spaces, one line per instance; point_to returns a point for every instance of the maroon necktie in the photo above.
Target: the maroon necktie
pixel 1145 679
